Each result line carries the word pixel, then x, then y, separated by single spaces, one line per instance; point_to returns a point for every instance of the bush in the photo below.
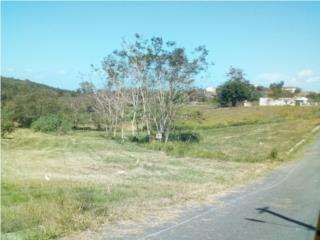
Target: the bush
pixel 273 154
pixel 140 139
pixel 6 128
pixel 7 124
pixel 52 123
pixel 185 136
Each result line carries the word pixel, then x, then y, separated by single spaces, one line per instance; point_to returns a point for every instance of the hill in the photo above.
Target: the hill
pixel 11 87
pixel 25 101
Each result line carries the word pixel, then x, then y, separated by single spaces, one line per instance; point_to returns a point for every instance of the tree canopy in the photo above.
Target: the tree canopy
pixel 236 89
pixel 145 81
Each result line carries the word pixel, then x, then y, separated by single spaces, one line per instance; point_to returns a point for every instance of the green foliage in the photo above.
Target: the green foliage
pixel 184 136
pixel 7 124
pixel 237 89
pixel 52 123
pixel 298 90
pixel 314 96
pixel 143 138
pixel 27 101
pixel 276 91
pixel 274 154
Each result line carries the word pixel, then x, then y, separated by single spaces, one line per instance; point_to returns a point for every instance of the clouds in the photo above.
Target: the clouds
pixel 308 76
pixel 306 79
pixel 307 73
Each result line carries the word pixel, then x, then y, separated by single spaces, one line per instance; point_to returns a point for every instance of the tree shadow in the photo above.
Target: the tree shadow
pixel 302 225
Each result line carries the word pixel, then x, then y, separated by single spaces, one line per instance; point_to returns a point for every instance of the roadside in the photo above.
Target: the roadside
pixel 285 205
pixel 227 205
pixel 55 185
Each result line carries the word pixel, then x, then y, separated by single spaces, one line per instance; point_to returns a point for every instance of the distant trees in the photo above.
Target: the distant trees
pixel 277 91
pixel 27 101
pixel 145 82
pixel 314 96
pixel 237 89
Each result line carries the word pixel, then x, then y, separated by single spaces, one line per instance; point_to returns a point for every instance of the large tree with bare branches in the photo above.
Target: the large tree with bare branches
pixel 146 81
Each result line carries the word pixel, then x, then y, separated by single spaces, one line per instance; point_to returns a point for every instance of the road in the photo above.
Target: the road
pixel 284 206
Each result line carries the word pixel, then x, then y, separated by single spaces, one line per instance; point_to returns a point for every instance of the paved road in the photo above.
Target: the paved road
pixel 285 206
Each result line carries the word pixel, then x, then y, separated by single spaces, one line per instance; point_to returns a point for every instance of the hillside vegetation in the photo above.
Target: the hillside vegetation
pixel 25 101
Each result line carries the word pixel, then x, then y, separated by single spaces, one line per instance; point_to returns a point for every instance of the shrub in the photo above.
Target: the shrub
pixel 7 124
pixel 274 154
pixel 140 139
pixel 6 128
pixel 185 136
pixel 52 123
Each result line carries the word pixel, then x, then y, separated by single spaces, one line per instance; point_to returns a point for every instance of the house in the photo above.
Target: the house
pixel 296 101
pixel 276 102
pixel 302 101
pixel 211 91
pixel 289 89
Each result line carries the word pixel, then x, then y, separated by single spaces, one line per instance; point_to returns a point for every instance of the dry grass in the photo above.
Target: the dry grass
pixel 207 117
pixel 94 181
pixel 90 186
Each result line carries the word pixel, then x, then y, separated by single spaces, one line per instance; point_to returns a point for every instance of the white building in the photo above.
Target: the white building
pixel 290 89
pixel 296 101
pixel 302 101
pixel 212 91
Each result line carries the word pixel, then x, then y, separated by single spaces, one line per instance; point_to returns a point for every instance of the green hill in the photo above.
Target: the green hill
pixel 26 100
pixel 11 87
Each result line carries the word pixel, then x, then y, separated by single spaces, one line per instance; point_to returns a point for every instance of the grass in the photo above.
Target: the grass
pixel 94 181
pixel 244 143
pixel 243 134
pixel 206 117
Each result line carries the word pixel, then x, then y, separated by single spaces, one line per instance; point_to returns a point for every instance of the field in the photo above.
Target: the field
pixel 54 185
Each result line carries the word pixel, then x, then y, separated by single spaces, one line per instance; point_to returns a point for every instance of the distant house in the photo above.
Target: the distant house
pixel 296 101
pixel 211 91
pixel 289 89
pixel 302 101
pixel 276 102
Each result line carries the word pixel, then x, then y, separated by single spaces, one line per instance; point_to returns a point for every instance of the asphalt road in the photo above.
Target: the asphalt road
pixel 284 206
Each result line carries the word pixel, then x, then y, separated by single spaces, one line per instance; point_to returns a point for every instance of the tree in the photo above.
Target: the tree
pixel 7 124
pixel 237 89
pixel 314 96
pixel 276 89
pixel 147 79
pixel 298 90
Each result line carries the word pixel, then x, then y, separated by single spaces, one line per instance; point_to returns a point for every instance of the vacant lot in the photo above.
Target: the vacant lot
pixel 53 185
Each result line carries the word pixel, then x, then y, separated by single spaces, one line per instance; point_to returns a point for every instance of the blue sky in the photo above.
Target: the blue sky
pixel 55 42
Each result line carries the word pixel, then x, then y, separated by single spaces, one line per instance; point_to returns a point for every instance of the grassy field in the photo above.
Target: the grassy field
pixel 54 185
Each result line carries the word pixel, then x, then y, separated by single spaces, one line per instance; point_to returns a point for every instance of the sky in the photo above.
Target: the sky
pixel 56 42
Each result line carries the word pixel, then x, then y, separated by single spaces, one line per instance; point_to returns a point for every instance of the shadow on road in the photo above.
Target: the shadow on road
pixel 299 223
